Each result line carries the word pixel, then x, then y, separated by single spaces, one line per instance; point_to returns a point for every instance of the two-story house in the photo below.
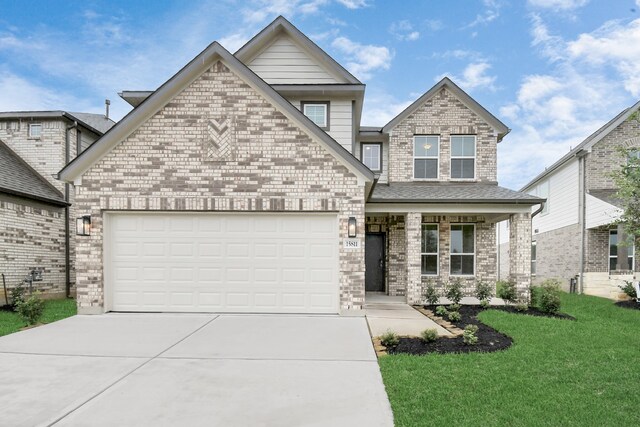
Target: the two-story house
pixel 575 235
pixel 246 184
pixel 37 219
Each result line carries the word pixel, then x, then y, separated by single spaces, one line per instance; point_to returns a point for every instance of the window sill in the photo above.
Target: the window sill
pixel 463 276
pixel 426 179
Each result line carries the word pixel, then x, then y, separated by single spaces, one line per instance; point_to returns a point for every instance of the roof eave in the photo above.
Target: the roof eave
pixel 24 195
pixel 529 202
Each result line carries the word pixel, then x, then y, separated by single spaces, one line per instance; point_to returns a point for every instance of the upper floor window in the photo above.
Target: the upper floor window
pixel 371 155
pixel 613 253
pixel 426 152
pixel 463 249
pixel 35 130
pixel 463 156
pixel 318 112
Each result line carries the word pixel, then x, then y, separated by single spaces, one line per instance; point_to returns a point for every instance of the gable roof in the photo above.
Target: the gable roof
pixel 589 142
pixel 20 179
pixel 471 103
pixel 179 82
pixel 281 26
pixel 96 123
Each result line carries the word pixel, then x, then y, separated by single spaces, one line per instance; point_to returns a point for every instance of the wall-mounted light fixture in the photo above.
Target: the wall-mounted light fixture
pixel 83 225
pixel 352 229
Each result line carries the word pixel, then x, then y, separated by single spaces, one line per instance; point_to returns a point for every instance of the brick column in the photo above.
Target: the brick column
pixel 413 228
pixel 520 252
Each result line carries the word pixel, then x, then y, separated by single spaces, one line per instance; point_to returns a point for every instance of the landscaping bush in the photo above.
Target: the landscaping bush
pixel 548 296
pixel 535 295
pixel 454 307
pixel 506 291
pixel 441 311
pixel 454 291
pixel 389 339
pixel 522 306
pixel 454 316
pixel 469 336
pixel 431 294
pixel 17 296
pixel 485 304
pixel 629 289
pixel 484 291
pixel 31 309
pixel 429 335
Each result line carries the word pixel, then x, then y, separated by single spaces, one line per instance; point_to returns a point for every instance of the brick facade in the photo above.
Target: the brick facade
pixel 558 255
pixel 271 166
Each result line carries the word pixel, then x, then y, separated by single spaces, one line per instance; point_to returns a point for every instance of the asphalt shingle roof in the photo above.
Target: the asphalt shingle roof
pixel 424 192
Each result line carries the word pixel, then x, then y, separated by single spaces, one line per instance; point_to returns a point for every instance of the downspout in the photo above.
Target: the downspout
pixel 67 240
pixel 582 216
pixel 537 211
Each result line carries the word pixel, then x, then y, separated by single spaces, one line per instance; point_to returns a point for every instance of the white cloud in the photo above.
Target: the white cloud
pixel 491 13
pixel 403 30
pixel 551 46
pixel 353 4
pixel 436 24
pixel 363 59
pixel 380 107
pixel 474 76
pixel 558 4
pixel 235 41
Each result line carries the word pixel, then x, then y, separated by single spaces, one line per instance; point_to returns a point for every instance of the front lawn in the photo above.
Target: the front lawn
pixel 558 372
pixel 54 310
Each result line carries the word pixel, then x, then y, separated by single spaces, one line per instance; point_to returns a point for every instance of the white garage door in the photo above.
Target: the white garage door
pixel 277 263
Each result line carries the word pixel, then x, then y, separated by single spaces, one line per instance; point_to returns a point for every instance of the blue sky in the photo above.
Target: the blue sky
pixel 552 70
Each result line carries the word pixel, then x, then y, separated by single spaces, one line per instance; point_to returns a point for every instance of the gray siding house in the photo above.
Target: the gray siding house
pixel 245 183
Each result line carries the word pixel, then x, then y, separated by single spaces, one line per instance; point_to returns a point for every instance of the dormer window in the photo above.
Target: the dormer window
pixel 426 152
pixel 318 112
pixel 35 130
pixel 371 156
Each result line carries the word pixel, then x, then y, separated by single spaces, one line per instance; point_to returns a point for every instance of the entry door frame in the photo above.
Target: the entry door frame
pixel 384 260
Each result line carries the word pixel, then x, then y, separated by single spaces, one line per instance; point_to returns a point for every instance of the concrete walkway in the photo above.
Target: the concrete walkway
pixel 386 313
pixel 193 370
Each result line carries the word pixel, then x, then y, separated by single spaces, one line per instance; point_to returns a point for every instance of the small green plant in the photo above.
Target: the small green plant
pixel 431 294
pixel 484 291
pixel 454 291
pixel 454 316
pixel 454 307
pixel 484 303
pixel 31 309
pixel 441 311
pixel 521 306
pixel 429 335
pixel 469 336
pixel 507 291
pixel 535 295
pixel 629 289
pixel 17 296
pixel 389 339
pixel 548 296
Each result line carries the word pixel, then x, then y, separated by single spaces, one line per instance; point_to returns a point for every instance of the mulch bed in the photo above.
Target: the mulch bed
pixel 629 304
pixel 489 340
pixel 6 308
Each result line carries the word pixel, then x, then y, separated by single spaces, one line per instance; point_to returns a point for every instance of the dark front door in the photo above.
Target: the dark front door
pixel 374 262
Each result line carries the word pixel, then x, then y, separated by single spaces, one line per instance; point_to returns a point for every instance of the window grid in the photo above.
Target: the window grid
pixel 317 112
pixel 429 253
pixel 463 156
pixel 463 254
pixel 426 159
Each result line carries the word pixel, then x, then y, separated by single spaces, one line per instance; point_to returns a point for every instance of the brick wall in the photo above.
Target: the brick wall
pixel 558 254
pixel 442 115
pixel 268 164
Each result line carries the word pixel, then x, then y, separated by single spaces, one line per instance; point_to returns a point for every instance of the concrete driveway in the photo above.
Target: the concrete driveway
pixel 191 370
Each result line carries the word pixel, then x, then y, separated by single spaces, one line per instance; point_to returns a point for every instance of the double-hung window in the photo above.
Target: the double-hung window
pixel 318 112
pixel 371 156
pixel 463 156
pixel 613 253
pixel 430 249
pixel 463 249
pixel 426 149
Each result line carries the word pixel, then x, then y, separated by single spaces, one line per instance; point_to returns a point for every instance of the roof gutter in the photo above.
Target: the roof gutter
pixel 67 213
pixel 376 177
pixel 540 209
pixel 36 198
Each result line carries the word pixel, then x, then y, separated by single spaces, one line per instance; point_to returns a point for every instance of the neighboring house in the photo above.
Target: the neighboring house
pixel 34 206
pixel 246 184
pixel 575 235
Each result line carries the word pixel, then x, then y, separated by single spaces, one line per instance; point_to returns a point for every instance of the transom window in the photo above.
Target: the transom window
pixel 613 253
pixel 463 156
pixel 371 156
pixel 426 150
pixel 35 130
pixel 430 249
pixel 318 112
pixel 463 249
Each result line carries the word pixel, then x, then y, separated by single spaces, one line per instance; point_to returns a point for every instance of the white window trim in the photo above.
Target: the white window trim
pixel 324 104
pixel 633 254
pixel 475 242
pixel 413 160
pixel 534 261
pixel 437 253
pixel 29 130
pixel 475 158
pixel 372 144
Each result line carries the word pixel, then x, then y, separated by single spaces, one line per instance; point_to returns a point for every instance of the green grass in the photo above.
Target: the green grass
pixel 54 310
pixel 557 373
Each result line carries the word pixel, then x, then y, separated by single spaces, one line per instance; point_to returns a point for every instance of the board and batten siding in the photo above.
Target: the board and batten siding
pixel 563 199
pixel 284 62
pixel 340 119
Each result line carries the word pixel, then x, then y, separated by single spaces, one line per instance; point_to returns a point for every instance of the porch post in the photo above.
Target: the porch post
pixel 623 250
pixel 520 252
pixel 413 227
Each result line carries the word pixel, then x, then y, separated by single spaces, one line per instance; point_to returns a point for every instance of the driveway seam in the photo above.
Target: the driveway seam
pixel 63 416
pixel 73 355
pixel 265 358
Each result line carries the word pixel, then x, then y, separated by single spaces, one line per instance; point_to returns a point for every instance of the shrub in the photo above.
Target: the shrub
pixel 484 291
pixel 453 307
pixel 485 303
pixel 469 336
pixel 506 291
pixel 441 311
pixel 522 306
pixel 454 316
pixel 454 291
pixel 389 339
pixel 17 296
pixel 431 294
pixel 535 295
pixel 548 296
pixel 31 309
pixel 629 289
pixel 429 335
